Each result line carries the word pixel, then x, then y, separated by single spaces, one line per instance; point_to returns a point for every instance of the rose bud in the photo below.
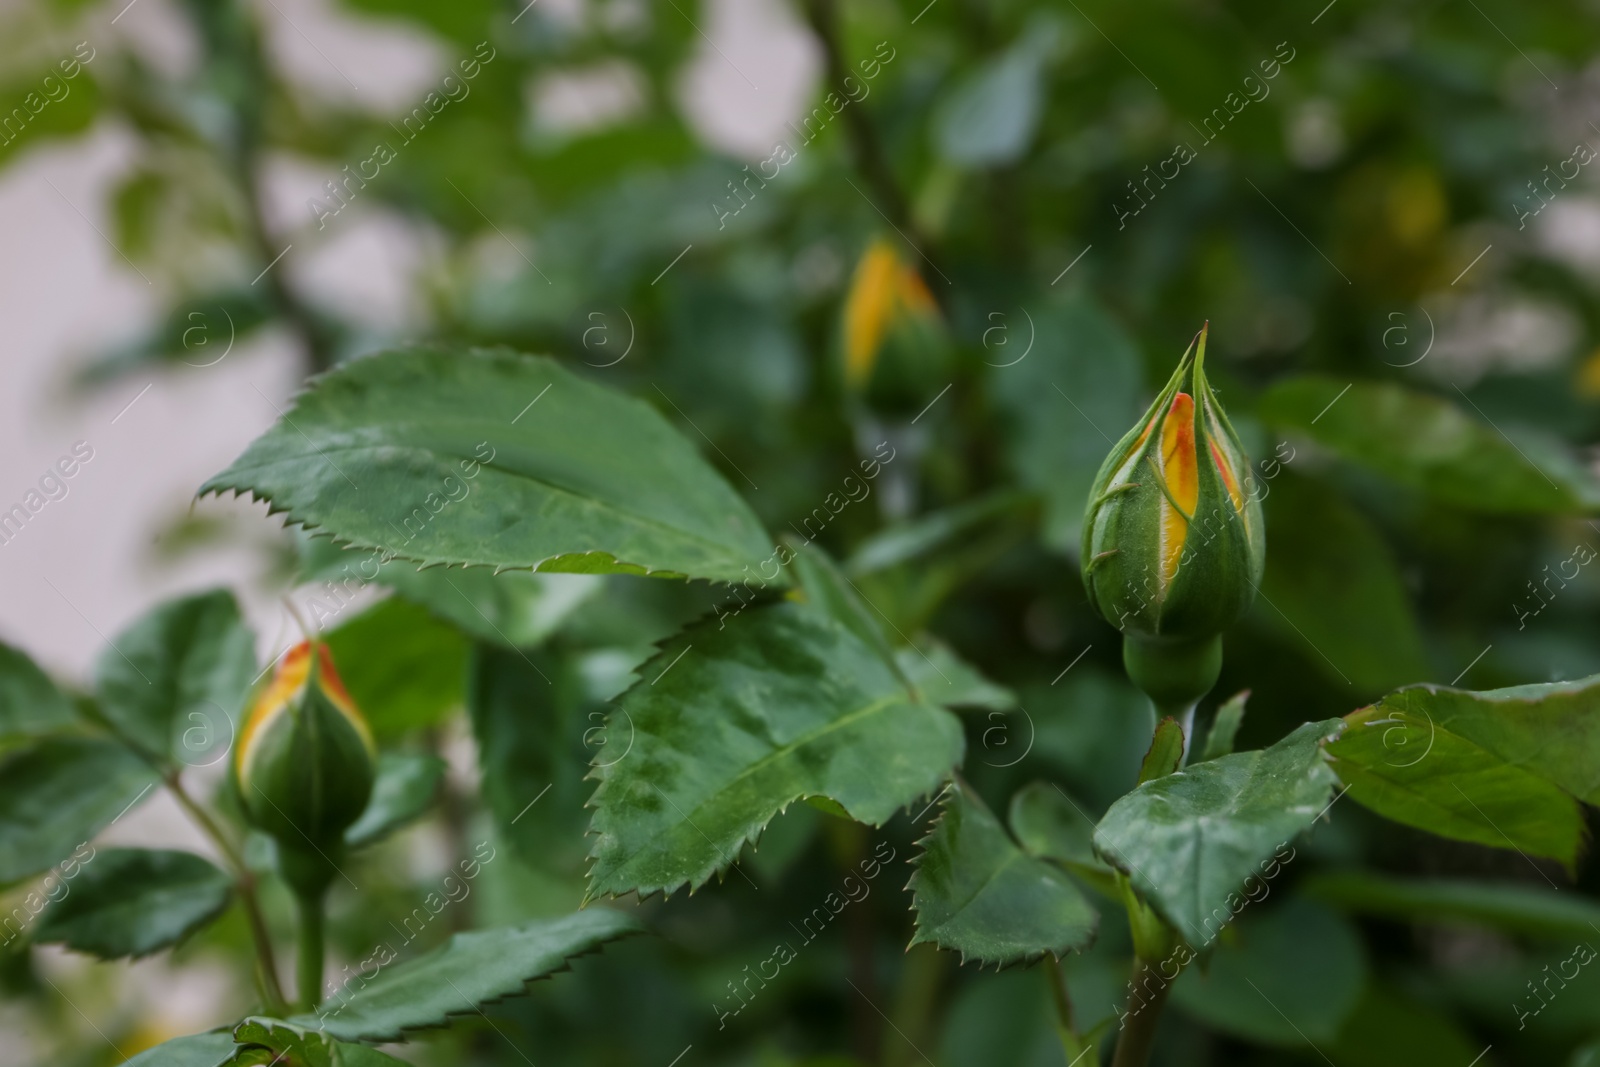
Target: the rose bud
pixel 895 344
pixel 1173 546
pixel 304 764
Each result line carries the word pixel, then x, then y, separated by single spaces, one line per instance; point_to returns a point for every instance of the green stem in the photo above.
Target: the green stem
pixel 308 967
pixel 1070 1042
pixel 1143 1017
pixel 921 978
pixel 245 884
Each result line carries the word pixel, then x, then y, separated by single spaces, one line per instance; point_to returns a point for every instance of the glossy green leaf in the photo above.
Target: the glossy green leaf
pixel 466 972
pixel 1499 768
pixel 30 704
pixel 1165 753
pixel 1431 443
pixel 450 456
pixel 1333 589
pixel 1051 825
pixel 945 678
pixel 174 683
pixel 1534 910
pixel 975 892
pixel 134 901
pixel 1551 729
pixel 1188 842
pixel 404 668
pixel 1458 791
pixel 58 793
pixel 1078 385
pixel 1289 975
pixel 269 1042
pixel 403 791
pixel 530 721
pixel 1224 727
pixel 732 724
pixel 196 1050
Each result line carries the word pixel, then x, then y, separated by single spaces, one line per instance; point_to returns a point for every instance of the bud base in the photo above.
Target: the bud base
pixel 1173 674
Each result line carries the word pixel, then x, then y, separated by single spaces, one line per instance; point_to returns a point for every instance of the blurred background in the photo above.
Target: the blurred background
pixel 205 202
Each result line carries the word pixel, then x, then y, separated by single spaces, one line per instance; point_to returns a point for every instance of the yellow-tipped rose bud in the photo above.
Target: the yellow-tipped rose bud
pixel 1173 546
pixel 895 344
pixel 305 762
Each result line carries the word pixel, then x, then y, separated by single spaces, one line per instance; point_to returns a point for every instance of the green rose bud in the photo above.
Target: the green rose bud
pixel 1173 548
pixel 304 764
pixel 895 345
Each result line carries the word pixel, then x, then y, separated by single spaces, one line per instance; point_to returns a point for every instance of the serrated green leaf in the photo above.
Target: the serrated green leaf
pixel 134 901
pixel 1165 753
pixel 442 457
pixel 1258 985
pixel 529 720
pixel 1188 842
pixel 1551 729
pixel 1432 444
pixel 272 1042
pixel 825 586
pixel 404 789
pixel 733 723
pixel 174 682
pixel 469 970
pixel 31 706
pixel 1050 825
pixel 1523 909
pixel 404 668
pixel 1333 589
pixel 1224 727
pixel 195 1050
pixel 945 678
pixel 976 892
pixel 1499 768
pixel 58 793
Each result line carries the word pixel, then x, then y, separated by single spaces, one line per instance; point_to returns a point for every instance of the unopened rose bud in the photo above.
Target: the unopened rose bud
pixel 1173 547
pixel 305 762
pixel 896 347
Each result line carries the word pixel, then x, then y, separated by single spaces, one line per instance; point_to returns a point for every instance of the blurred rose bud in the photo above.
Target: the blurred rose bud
pixel 305 759
pixel 895 345
pixel 1173 547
